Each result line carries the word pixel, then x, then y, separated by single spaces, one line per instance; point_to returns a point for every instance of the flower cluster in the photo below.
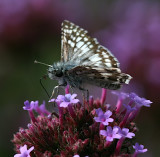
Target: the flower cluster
pixel 90 128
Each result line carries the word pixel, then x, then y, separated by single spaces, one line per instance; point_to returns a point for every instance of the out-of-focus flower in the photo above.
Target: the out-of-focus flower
pixel 41 109
pixel 24 152
pixel 132 34
pixel 104 118
pixel 121 95
pixel 27 20
pixel 74 130
pixel 124 132
pixel 28 106
pixel 139 101
pixel 139 149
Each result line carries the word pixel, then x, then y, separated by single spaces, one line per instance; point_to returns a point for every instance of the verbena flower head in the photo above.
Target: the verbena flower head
pixel 78 129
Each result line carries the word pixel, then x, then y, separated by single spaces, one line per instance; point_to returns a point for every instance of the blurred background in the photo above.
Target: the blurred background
pixel 31 29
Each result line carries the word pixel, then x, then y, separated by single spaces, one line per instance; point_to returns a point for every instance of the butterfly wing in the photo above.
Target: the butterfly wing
pixel 94 63
pixel 110 78
pixel 77 46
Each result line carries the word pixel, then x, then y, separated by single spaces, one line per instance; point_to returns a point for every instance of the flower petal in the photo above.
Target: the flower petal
pixel 52 100
pixel 108 113
pixel 103 132
pixel 60 98
pixel 73 96
pixel 64 104
pixel 74 101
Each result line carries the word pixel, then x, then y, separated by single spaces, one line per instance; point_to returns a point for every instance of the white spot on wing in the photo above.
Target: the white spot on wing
pixel 105 55
pixel 85 38
pixel 73 38
pixel 78 39
pixel 108 64
pixel 75 30
pixel 79 44
pixel 95 58
pixel 107 60
pixel 69 31
pixel 90 46
pixel 69 41
pixel 75 49
pixel 87 49
pixel 72 44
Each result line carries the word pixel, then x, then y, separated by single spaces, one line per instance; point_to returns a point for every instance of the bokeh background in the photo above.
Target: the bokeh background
pixel 30 29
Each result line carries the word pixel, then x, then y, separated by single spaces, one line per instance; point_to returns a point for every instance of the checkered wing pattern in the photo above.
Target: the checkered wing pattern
pixel 94 62
pixel 78 46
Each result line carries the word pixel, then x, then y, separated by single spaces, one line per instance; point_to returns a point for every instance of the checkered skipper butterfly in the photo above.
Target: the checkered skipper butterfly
pixel 84 60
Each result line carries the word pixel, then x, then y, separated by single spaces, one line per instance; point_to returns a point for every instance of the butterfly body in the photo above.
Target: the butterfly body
pixel 59 72
pixel 84 60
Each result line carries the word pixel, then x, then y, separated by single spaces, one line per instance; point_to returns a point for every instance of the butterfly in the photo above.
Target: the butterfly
pixel 84 60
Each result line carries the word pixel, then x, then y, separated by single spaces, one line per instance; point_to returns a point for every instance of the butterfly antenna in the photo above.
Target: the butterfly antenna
pixel 44 77
pixel 37 62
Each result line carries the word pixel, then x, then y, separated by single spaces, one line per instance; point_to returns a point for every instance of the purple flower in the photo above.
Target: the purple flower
pixel 36 105
pixel 52 100
pixel 110 134
pixel 121 95
pixel 29 106
pixel 104 118
pixel 129 108
pixel 41 109
pixel 125 133
pixel 139 101
pixel 139 148
pixel 24 152
pixel 65 100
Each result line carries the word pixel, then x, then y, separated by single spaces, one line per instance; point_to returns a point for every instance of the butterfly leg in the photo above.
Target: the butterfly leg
pixel 83 93
pixel 56 87
pixel 44 77
pixel 72 91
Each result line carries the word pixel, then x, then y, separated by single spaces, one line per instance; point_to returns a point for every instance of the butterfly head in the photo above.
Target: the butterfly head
pixel 56 71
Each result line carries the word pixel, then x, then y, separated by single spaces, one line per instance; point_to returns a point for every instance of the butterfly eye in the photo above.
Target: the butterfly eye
pixel 59 73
